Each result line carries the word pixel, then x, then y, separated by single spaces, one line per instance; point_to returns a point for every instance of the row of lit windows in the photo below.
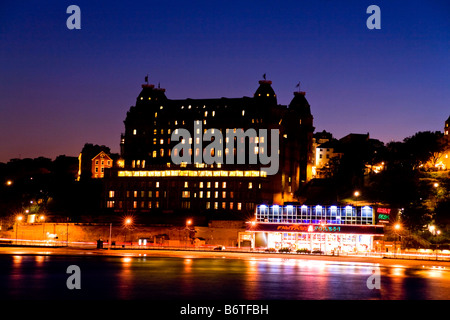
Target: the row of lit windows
pixel 185 204
pixel 315 214
pixel 185 193
pixel 108 162
pixel 212 130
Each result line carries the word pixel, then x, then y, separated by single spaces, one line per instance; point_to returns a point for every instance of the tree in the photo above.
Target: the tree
pixel 423 147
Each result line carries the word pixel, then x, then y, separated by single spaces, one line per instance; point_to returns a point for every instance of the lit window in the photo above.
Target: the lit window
pixel 157 184
pixel 243 112
pixel 208 194
pixel 185 194
pixel 111 194
pixel 154 154
pixel 201 194
pixel 224 194
pixel 135 194
pixel 216 194
pixel 224 184
pixel 186 184
pixel 231 205
pixel 201 184
pixel 134 132
pixel 110 204
pixel 250 185
pixel 208 184
pixel 161 141
pixel 239 206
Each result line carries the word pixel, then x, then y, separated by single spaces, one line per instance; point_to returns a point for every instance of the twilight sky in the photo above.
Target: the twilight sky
pixel 61 88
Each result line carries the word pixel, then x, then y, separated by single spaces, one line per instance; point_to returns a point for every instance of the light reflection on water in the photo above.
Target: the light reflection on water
pixel 147 277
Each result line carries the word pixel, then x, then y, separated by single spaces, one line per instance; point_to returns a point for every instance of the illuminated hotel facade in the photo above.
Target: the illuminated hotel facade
pixel 146 179
pixel 314 228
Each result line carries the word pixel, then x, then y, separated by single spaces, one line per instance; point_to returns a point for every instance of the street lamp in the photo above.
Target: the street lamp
pixel 356 194
pixel 188 224
pixel 397 227
pixel 435 232
pixel 19 219
pixel 42 219
pixel 127 222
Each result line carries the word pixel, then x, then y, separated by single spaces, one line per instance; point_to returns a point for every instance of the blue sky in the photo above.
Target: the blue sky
pixel 63 88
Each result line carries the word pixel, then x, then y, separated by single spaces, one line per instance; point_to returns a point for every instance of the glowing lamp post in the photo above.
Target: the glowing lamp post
pixel 128 222
pixel 397 228
pixel 188 227
pixel 42 220
pixel 18 220
pixel 356 194
pixel 435 232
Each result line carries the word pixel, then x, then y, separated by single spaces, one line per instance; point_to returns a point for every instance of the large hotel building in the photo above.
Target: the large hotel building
pixel 146 179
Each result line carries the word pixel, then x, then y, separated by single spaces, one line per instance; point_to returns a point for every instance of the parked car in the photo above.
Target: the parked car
pixel 219 248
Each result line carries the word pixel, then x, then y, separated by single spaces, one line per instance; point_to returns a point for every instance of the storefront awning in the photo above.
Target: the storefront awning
pixel 316 228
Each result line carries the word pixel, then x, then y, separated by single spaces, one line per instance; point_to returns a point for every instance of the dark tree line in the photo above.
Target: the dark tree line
pixel 48 187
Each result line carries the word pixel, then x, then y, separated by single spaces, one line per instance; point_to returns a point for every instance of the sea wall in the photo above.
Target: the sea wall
pixel 217 233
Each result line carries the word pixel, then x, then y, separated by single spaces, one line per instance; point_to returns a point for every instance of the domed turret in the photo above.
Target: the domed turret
pixel 265 93
pixel 149 94
pixel 300 104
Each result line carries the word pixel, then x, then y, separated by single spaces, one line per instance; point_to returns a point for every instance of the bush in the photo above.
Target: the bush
pixel 284 250
pixel 303 250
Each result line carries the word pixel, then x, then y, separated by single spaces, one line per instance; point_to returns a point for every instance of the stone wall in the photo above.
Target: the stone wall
pixel 217 233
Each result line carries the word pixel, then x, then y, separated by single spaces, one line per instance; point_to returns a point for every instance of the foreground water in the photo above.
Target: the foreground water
pixel 179 278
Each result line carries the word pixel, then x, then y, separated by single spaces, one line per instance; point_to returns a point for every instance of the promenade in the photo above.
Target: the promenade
pixel 230 254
